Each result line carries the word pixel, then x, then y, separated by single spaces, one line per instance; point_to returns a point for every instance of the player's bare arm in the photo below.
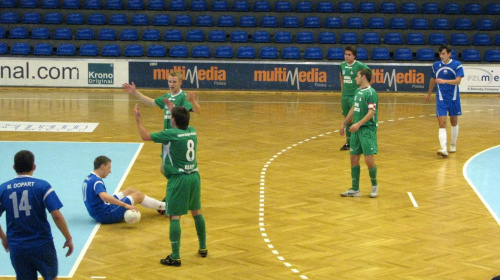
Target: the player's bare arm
pixel 131 89
pixel 191 98
pixel 111 199
pixel 432 83
pixel 63 227
pixel 366 118
pixel 142 130
pixel 348 119
pixel 454 82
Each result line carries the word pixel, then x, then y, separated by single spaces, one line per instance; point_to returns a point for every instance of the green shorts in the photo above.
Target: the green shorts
pixel 347 102
pixel 364 141
pixel 183 194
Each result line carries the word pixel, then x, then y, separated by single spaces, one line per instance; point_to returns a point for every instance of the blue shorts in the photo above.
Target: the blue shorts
pixel 451 107
pixel 41 259
pixel 114 213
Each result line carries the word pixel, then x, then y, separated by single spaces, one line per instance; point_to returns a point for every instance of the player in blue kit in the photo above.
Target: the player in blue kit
pixel 29 239
pixel 447 74
pixel 106 208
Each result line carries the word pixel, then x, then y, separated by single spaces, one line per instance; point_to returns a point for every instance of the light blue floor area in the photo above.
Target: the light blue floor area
pixel 482 173
pixel 65 165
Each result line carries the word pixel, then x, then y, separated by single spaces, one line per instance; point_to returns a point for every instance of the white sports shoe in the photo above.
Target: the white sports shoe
pixel 374 192
pixel 351 193
pixel 443 153
pixel 453 148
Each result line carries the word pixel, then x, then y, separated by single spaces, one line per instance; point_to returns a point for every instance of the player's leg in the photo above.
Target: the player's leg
pixel 346 103
pixel 46 261
pixel 24 268
pixel 441 113
pixel 355 153
pixel 455 111
pixel 369 144
pixel 147 201
pixel 195 207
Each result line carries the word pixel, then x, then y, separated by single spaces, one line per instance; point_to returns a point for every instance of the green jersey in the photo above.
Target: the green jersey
pixel 364 100
pixel 179 150
pixel 349 73
pixel 179 99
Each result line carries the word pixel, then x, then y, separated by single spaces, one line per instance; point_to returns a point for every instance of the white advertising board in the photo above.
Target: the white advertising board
pixel 480 78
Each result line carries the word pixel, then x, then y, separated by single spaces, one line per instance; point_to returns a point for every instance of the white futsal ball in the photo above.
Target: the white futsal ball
pixel 132 217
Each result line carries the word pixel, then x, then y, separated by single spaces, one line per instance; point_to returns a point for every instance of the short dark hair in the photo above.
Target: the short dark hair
pixel 181 116
pixel 352 49
pixel 367 73
pixel 445 47
pixel 24 161
pixel 100 160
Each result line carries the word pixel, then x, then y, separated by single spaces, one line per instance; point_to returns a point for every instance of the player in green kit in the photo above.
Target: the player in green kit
pixel 181 169
pixel 348 71
pixel 364 117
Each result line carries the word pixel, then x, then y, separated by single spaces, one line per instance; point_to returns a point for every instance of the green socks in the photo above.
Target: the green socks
pixel 199 223
pixel 175 238
pixel 373 175
pixel 355 173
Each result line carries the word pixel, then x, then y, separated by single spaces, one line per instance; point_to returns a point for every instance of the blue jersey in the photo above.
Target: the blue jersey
pixel 449 71
pixel 92 186
pixel 25 200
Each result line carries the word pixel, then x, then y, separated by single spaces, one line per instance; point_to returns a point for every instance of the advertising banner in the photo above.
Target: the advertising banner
pixel 481 78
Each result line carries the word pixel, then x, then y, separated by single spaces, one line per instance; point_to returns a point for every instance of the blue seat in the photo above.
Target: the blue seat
pixel 8 4
pixel 304 37
pixel 441 24
pixel 75 18
pixel 452 8
pixel 283 6
pixel 156 51
pixel 238 36
pixel 290 53
pixel 409 8
pixel 327 38
pixel 367 7
pixel 245 52
pixel 27 3
pixel 88 50
pixel 362 54
pixel 32 18
pixel 284 37
pixel 111 50
pixel 53 18
pixel 462 24
pixel 290 22
pixel 268 21
pixel 403 54
pixel 195 35
pixel 481 39
pixel 219 5
pixel 419 23
pixel 9 17
pixel 426 55
pixel 247 21
pixel 134 50
pixel 393 38
pixel 268 53
pixel 349 38
pixel 92 4
pixel 139 19
pixel 223 52
pixel 135 5
pixel 106 34
pixel 173 35
pixel 485 24
pixel 398 23
pixel 261 37
pixel 205 20
pixel 459 39
pixel 226 21
pixel 240 6
pixel 161 20
pixel 198 5
pixel 470 55
pixel 430 8
pixel 497 40
pixel 2 32
pixel 473 9
pixel 66 50
pixel 156 5
pixel 324 7
pixel 381 54
pixel 437 39
pixel 178 51
pixel 261 6
pixel 43 49
pixel 346 7
pixel 177 5
pixel 96 19
pixel 50 4
pixel 370 38
pixel 217 36
pixel 312 22
pixel 20 48
pixel 491 56
pixel 117 19
pixel 151 35
pixel 18 33
pixel 201 52
pixel 303 7
pixel 355 22
pixel 84 34
pixel 40 33
pixel 377 23
pixel 183 20
pixel 388 8
pixel 129 34
pixel 62 34
pixel 335 54
pixel 415 39
pixel 113 5
pixel 454 54
pixel 313 53
pixel 333 22
pixel 71 4
pixel 3 48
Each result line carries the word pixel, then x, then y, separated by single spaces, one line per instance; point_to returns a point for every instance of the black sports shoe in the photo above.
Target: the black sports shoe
pixel 171 262
pixel 203 253
pixel 162 212
pixel 345 147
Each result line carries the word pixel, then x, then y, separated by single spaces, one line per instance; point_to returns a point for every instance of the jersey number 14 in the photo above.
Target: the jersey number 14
pixel 24 204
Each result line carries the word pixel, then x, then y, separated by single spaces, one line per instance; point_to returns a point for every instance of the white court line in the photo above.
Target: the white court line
pixel 412 199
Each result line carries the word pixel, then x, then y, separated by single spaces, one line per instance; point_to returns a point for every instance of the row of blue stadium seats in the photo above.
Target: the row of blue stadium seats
pixel 261 6
pixel 246 52
pixel 251 21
